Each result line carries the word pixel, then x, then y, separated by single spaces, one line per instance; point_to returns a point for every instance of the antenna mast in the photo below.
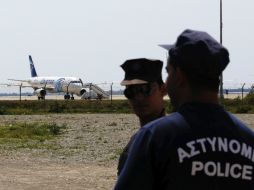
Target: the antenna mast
pixel 221 76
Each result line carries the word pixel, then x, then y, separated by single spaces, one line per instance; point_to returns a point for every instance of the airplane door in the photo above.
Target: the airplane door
pixel 59 85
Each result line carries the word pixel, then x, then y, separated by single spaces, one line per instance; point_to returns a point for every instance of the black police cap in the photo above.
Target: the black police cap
pixel 141 71
pixel 199 54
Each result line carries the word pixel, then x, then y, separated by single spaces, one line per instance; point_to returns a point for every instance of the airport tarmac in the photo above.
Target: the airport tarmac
pixel 114 97
pixel 52 97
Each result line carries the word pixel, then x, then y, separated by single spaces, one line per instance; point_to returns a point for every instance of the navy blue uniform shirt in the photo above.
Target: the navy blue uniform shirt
pixel 124 155
pixel 199 147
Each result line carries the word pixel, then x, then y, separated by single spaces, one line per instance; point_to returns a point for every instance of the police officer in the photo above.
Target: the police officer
pixel 145 90
pixel 200 146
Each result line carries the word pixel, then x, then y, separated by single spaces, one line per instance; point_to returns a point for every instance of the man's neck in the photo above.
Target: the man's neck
pixel 144 120
pixel 204 97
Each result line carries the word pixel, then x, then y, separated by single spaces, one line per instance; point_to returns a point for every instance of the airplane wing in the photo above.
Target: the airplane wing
pixel 26 84
pixel 18 80
pixel 16 84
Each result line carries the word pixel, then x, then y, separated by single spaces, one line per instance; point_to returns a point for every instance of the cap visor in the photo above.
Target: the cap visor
pixel 167 46
pixel 132 82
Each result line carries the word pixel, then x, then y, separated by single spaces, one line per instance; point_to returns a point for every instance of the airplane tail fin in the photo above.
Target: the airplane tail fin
pixel 32 68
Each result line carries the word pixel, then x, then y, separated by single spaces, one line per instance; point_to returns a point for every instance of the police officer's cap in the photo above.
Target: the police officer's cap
pixel 141 71
pixel 199 54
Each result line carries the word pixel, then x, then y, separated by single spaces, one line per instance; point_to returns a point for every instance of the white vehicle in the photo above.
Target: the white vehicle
pixel 44 84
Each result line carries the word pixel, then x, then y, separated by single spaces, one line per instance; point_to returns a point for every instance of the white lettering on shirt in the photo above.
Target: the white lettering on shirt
pixel 211 169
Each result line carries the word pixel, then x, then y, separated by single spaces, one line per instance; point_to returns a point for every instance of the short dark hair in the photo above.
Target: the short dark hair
pixel 160 82
pixel 196 83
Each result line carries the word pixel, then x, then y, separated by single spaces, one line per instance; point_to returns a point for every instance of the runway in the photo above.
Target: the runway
pixel 114 97
pixel 53 97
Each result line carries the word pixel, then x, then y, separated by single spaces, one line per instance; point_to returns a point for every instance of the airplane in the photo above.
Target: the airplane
pixel 69 85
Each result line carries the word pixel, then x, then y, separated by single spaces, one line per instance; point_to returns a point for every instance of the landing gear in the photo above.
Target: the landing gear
pixel 41 97
pixel 67 97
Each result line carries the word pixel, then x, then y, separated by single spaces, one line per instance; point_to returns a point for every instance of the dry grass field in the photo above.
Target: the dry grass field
pixel 83 156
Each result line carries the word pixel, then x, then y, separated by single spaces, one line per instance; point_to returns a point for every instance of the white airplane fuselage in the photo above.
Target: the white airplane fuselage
pixel 71 85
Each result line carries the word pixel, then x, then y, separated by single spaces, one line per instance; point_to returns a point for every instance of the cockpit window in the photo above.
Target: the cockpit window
pixel 75 81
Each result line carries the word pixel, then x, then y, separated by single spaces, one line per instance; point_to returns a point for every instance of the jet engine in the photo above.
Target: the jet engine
pixel 40 92
pixel 82 91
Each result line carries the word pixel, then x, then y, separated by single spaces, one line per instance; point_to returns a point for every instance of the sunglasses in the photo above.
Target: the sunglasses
pixel 133 90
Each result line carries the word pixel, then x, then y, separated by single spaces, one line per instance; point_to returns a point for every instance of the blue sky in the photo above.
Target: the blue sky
pixel 90 39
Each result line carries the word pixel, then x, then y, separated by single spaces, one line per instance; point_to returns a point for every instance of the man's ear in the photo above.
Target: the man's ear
pixel 164 90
